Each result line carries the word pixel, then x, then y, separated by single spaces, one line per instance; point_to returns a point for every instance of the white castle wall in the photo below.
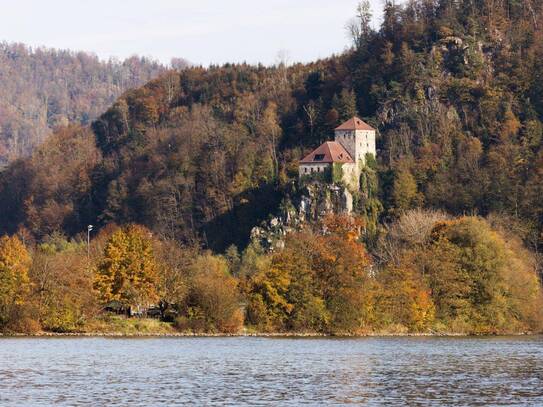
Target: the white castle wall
pixel 357 143
pixel 306 169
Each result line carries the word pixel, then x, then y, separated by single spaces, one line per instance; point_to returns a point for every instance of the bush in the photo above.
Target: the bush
pixel 214 296
pixel 24 325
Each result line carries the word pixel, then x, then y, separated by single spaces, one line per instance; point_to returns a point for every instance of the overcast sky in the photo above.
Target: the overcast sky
pixel 202 31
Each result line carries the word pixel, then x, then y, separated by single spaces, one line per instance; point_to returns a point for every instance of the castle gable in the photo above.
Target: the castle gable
pixel 354 124
pixel 328 153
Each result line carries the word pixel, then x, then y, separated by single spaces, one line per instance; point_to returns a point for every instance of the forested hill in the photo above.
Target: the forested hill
pixel 455 89
pixel 41 89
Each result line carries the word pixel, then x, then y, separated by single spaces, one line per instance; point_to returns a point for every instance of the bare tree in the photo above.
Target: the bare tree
pixel 359 28
pixel 312 112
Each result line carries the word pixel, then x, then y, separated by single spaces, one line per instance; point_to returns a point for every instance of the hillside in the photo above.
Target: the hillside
pixel 206 154
pixel 446 230
pixel 41 89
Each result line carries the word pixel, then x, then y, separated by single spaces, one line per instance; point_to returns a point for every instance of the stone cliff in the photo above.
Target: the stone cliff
pixel 311 203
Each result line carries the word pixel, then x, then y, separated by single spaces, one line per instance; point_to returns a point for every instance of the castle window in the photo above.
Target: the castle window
pixel 305 170
pixel 318 157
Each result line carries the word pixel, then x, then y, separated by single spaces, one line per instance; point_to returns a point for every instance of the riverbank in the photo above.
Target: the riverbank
pixel 252 335
pixel 116 326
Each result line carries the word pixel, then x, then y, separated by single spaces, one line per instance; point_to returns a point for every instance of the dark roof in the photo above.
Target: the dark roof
pixel 329 152
pixel 355 124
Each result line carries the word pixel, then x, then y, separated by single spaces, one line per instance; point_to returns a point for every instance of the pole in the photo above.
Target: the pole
pixel 89 228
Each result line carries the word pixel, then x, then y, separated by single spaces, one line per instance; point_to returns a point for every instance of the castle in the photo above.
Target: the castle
pixel 344 158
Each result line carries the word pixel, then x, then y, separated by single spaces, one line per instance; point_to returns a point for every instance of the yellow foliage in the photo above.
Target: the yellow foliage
pixel 127 272
pixel 403 298
pixel 14 281
pixel 318 282
pixel 214 299
pixel 478 281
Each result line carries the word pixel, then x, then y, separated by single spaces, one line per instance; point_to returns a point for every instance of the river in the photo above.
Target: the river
pixel 271 371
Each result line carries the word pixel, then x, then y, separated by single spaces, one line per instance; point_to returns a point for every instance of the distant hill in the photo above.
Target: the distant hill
pixel 43 88
pixel 204 155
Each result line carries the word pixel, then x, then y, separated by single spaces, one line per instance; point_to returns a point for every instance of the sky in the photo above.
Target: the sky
pixel 203 31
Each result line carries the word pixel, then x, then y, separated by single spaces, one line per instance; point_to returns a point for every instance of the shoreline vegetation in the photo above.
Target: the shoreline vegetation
pixel 431 274
pixel 249 333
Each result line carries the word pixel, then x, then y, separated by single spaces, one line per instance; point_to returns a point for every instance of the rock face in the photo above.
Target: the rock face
pixel 312 203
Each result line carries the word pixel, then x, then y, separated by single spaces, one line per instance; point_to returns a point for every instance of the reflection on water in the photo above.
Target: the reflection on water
pixel 259 371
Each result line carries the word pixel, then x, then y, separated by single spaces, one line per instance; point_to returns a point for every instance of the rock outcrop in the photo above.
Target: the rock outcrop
pixel 310 204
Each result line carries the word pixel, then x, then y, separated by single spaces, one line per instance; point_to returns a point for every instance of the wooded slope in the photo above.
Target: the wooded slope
pixel 455 89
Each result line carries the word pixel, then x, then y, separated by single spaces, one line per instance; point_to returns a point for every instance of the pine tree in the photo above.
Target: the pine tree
pixel 345 104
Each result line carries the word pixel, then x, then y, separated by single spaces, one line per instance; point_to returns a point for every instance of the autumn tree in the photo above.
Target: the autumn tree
pixel 318 282
pixel 14 281
pixel 127 273
pixel 214 299
pixel 174 265
pixel 403 299
pixel 62 284
pixel 471 274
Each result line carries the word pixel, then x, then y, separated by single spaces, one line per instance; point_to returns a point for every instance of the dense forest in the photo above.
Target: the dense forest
pixel 449 219
pixel 42 89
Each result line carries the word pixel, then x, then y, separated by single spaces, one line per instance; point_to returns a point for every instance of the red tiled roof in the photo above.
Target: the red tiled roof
pixel 329 152
pixel 355 124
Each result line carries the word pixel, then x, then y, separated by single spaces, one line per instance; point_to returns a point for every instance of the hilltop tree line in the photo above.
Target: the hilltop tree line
pixel 199 157
pixel 42 89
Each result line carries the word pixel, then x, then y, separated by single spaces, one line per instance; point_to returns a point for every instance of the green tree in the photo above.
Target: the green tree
pixel 345 104
pixel 405 193
pixel 471 272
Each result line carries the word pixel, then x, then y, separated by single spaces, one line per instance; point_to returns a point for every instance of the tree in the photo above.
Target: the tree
pixel 214 296
pixel 471 273
pixel 14 281
pixel 311 113
pixel 404 298
pixel 405 193
pixel 345 104
pixel 174 263
pixel 270 129
pixel 359 28
pixel 318 282
pixel 127 273
pixel 62 285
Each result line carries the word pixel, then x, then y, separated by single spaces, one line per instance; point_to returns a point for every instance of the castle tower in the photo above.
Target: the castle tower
pixel 358 138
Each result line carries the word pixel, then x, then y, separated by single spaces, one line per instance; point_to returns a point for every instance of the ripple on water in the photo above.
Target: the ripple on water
pixel 261 371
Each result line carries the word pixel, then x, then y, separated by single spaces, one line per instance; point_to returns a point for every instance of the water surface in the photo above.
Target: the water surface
pixel 262 371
